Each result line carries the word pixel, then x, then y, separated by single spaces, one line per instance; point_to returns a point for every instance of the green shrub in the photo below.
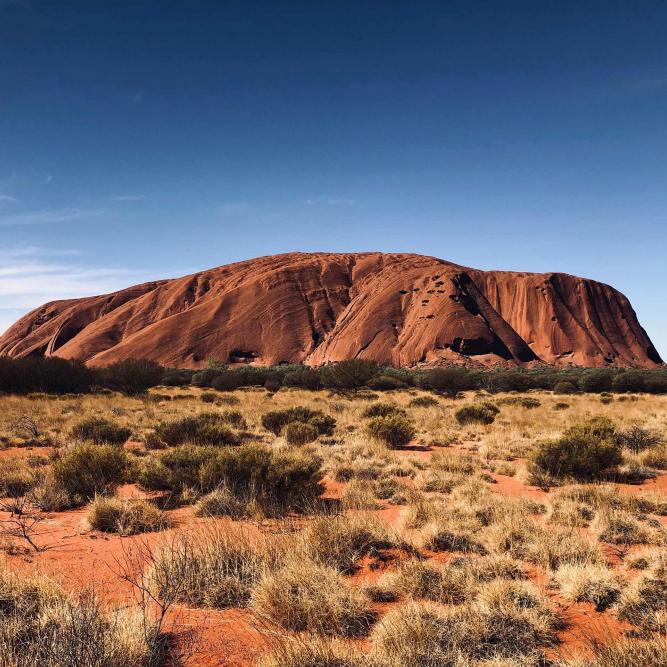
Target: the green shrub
pixel 596 380
pixel 349 374
pixel 448 381
pixel 583 452
pixel 86 470
pixel 276 420
pixel 638 439
pixel 395 430
pixel 476 413
pixel 50 495
pixel 300 433
pixel 41 625
pixel 126 517
pixel 306 378
pixel 527 402
pixel 208 428
pixel 208 397
pixel 424 402
pixel 274 480
pixel 101 431
pixel 234 418
pixel 382 410
pixel 561 406
pixel 629 381
pixel 272 384
pixel 564 387
pixel 131 376
pixel 386 383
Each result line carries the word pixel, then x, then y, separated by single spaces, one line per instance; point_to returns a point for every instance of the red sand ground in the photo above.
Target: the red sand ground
pixel 81 559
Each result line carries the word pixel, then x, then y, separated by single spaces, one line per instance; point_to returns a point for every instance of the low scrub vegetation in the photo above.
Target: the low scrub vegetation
pixel 272 481
pixel 477 413
pixel 355 528
pixel 583 452
pixel 100 431
pixel 276 420
pixel 393 429
pixel 208 428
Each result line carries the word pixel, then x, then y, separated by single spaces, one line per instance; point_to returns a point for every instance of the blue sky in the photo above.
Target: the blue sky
pixel 144 140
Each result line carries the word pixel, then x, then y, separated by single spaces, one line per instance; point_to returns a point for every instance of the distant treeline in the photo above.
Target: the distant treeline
pixel 134 376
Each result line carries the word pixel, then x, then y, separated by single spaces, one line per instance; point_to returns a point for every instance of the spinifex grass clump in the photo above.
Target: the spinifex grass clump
pixel 308 596
pixel 126 517
pixel 41 624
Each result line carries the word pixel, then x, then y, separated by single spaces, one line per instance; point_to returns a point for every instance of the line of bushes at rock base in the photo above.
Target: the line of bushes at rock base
pixel 135 376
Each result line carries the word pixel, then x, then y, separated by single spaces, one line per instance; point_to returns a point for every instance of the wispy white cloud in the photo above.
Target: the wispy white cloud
pixel 331 201
pixel 48 216
pixel 127 198
pixel 32 275
pixel 8 199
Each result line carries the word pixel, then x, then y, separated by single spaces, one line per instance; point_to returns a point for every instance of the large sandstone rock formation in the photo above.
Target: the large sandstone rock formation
pixel 397 309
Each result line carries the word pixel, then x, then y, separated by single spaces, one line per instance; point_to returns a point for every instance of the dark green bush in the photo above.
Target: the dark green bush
pixel 424 402
pixel 17 477
pixel 583 452
pixel 50 374
pixel 448 381
pixel 565 387
pixel 596 380
pixel 207 428
pixel 300 433
pixel 276 420
pixel 208 397
pixel 131 376
pixel 306 378
pixel 476 413
pixel 275 480
pixel 350 374
pixel 234 418
pixel 638 439
pixel 87 470
pixel 273 384
pixel 101 431
pixel 395 430
pixel 174 377
pixel 527 402
pixel 382 410
pixel 629 381
pixel 386 383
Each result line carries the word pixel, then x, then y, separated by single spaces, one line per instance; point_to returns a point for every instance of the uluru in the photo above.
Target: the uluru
pixel 316 308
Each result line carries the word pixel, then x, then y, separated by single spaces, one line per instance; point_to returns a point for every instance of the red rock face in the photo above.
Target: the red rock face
pixel 396 309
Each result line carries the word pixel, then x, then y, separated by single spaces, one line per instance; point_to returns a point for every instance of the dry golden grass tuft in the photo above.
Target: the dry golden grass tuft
pixel 126 517
pixel 308 596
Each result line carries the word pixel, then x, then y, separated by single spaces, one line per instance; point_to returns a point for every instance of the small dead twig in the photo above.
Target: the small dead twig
pixel 24 518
